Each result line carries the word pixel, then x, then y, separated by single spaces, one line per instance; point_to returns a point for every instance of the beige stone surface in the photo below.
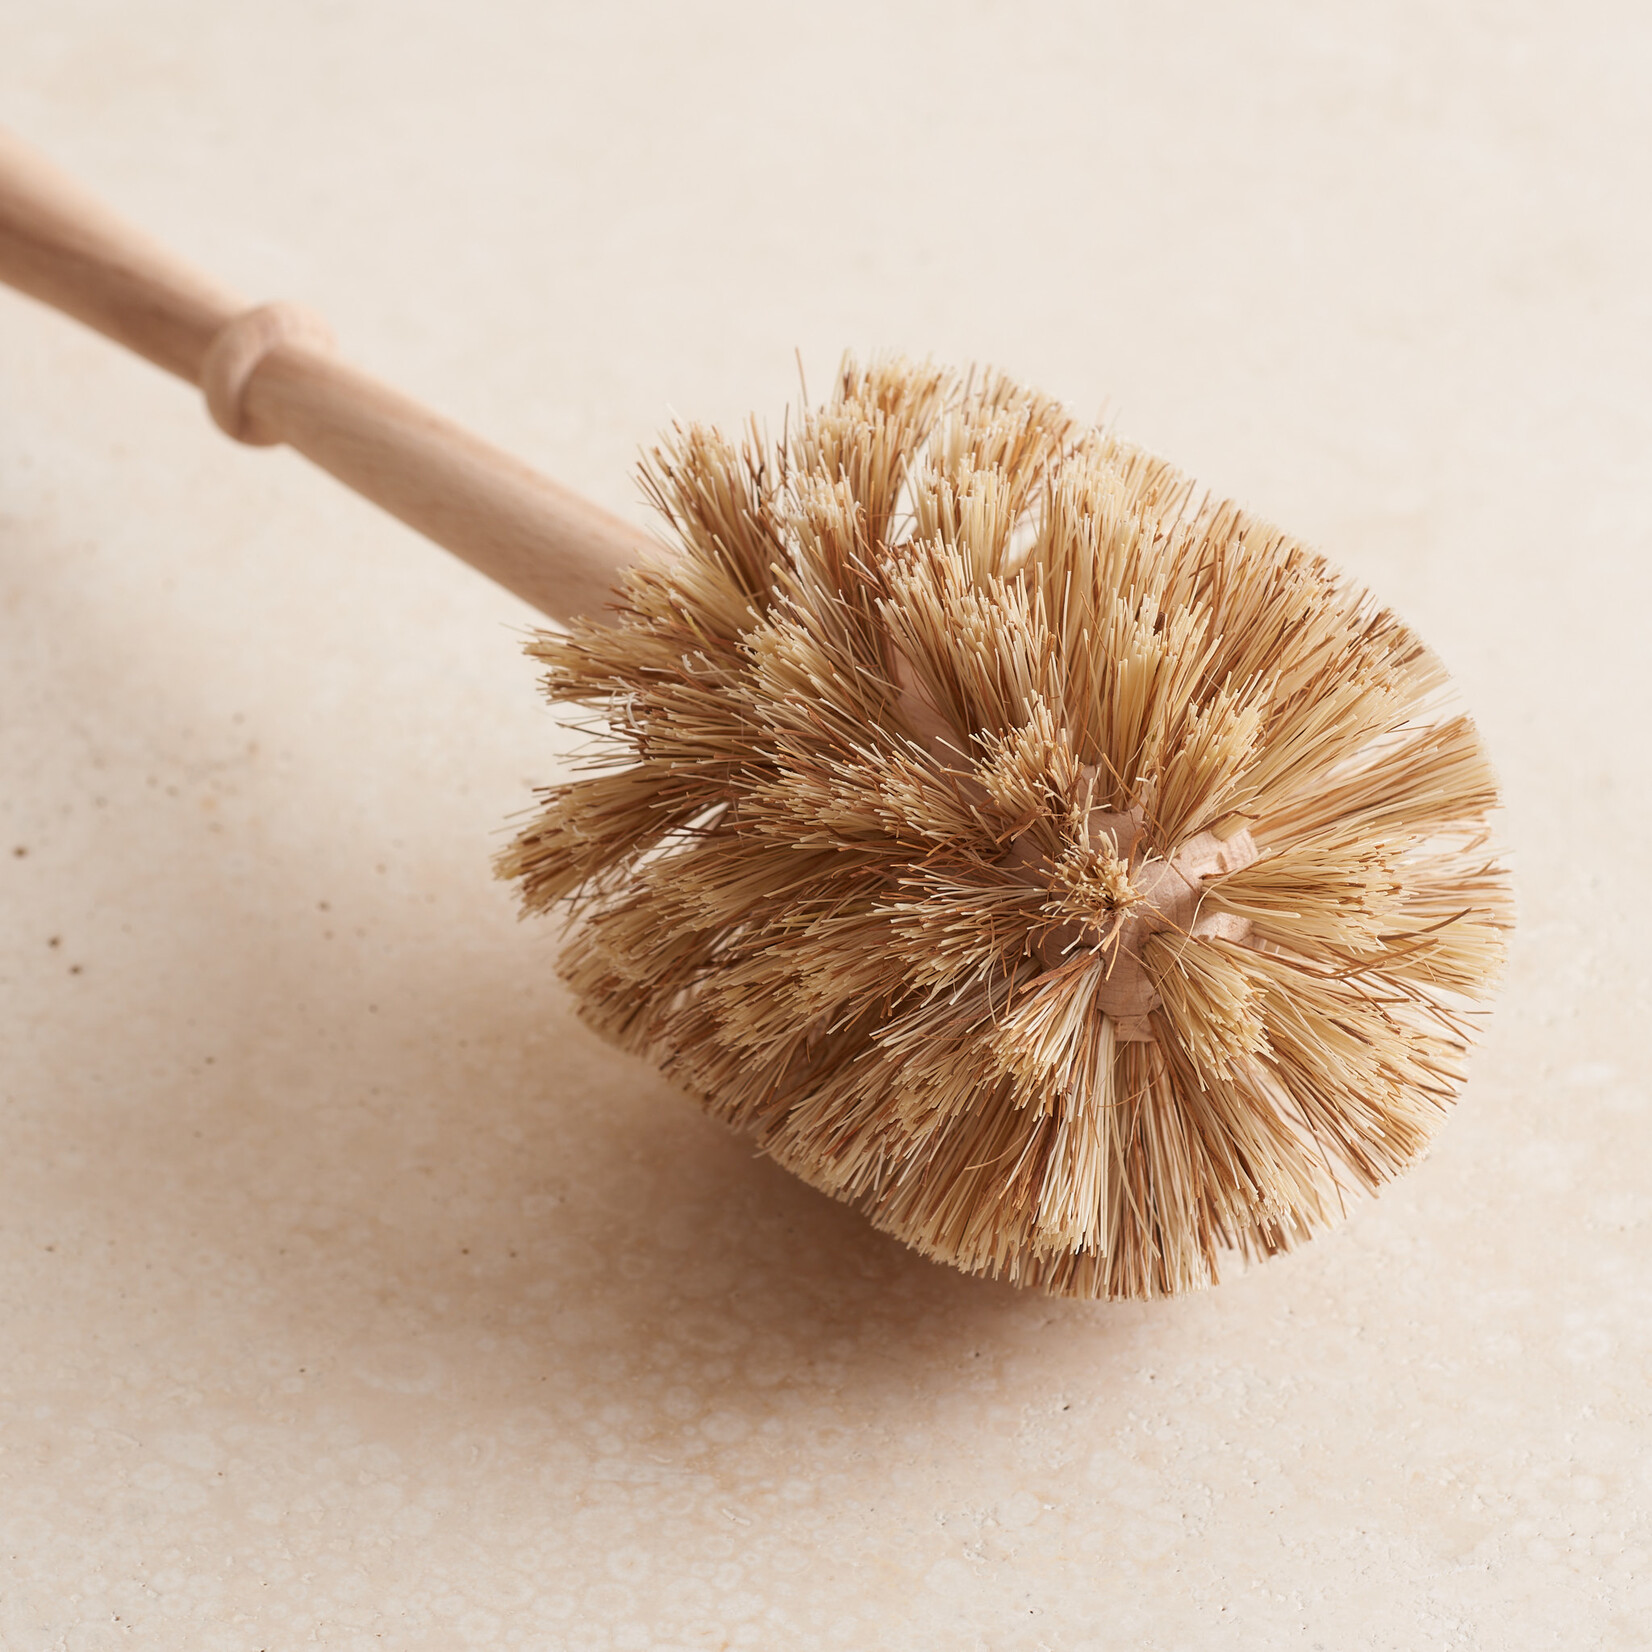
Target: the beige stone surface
pixel 350 1293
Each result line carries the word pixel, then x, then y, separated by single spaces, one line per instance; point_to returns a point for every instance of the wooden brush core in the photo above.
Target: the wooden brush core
pixel 1157 896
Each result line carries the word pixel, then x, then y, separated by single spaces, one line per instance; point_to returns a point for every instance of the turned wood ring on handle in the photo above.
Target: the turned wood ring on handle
pixel 234 355
pixel 553 549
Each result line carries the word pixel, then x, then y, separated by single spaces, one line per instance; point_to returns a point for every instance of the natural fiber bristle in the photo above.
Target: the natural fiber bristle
pixel 933 696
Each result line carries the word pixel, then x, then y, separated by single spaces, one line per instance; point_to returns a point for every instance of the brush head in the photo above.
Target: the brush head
pixel 1083 881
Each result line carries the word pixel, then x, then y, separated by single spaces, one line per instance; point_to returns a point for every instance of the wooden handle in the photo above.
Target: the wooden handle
pixel 269 376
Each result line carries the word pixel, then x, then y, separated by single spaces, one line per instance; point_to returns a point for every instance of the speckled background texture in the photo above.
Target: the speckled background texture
pixel 350 1293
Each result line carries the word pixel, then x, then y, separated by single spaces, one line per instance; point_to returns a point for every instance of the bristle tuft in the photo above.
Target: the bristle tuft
pixel 850 863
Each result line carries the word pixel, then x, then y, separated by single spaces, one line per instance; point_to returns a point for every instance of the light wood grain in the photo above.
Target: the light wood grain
pixel 274 381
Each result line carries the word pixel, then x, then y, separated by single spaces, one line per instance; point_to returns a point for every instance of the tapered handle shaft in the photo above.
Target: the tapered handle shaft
pixel 269 375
